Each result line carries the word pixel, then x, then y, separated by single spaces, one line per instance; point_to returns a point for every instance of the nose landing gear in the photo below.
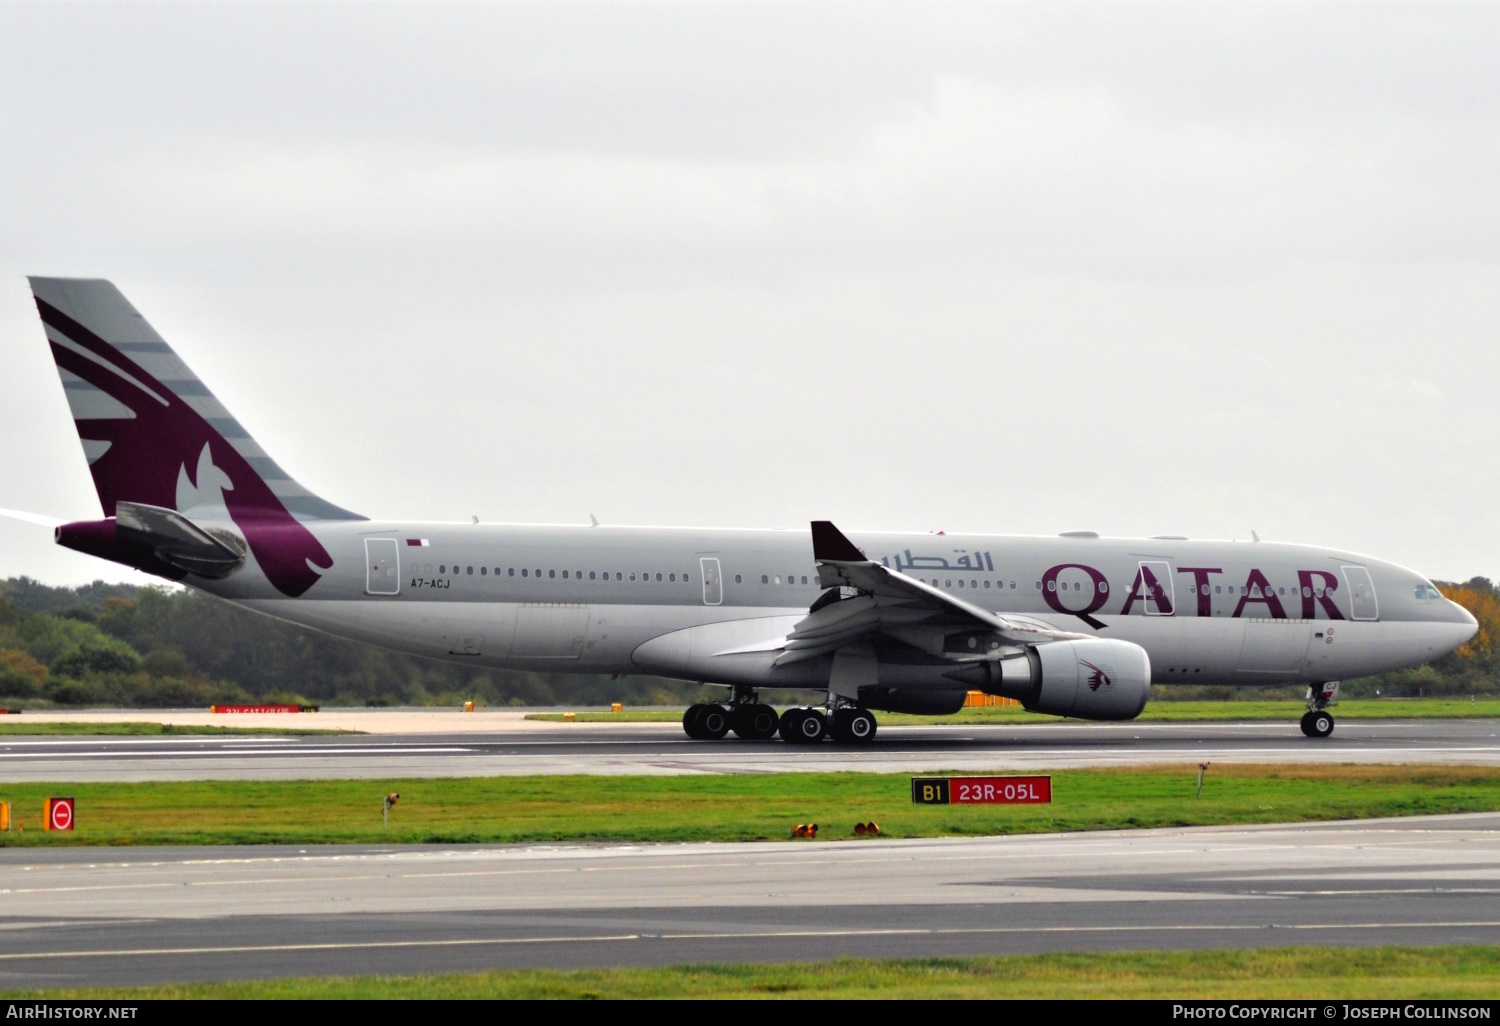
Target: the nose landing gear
pixel 1318 721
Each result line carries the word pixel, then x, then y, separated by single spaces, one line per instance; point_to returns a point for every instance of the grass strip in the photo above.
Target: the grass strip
pixel 725 808
pixel 1323 973
pixel 74 729
pixel 1155 712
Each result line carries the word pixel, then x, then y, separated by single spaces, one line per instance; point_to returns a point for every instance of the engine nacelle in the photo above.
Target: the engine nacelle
pixel 1092 679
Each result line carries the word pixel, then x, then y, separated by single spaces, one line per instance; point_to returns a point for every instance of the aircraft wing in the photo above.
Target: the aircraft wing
pixel 886 602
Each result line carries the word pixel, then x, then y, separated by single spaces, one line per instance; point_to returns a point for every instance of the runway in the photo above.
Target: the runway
pixel 74 916
pixel 533 747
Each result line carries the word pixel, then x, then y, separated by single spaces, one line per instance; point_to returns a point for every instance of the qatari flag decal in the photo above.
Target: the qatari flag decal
pixel 418 542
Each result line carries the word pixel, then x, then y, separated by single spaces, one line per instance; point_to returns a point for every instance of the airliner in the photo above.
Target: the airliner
pixel 1075 625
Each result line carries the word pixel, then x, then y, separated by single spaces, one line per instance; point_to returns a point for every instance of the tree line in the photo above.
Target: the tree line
pixel 123 645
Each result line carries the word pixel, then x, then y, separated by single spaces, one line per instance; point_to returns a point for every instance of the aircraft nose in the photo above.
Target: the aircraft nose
pixel 1465 618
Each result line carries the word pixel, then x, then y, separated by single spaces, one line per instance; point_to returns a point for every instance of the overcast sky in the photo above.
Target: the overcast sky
pixel 1142 269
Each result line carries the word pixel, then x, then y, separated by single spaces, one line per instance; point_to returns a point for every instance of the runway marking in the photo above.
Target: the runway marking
pixel 184 740
pixel 1389 890
pixel 244 949
pixel 390 750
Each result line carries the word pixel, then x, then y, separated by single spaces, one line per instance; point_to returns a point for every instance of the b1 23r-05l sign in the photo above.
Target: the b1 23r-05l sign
pixel 981 790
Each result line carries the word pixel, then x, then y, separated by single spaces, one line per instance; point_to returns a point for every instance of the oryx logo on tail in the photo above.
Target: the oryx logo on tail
pixel 154 434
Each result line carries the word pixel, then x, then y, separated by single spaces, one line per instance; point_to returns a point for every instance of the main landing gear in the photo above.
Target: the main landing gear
pixel 850 724
pixel 1318 721
pixel 744 715
pixel 749 719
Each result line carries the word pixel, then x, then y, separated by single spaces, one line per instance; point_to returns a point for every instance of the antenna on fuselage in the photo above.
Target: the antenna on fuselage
pixel 1254 536
pixel 593 520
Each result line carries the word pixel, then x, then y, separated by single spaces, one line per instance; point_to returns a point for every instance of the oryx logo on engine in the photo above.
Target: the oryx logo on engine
pixel 1097 677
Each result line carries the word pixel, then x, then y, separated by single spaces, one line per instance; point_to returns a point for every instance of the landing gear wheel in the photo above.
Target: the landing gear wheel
pixel 713 722
pixel 803 726
pixel 690 722
pixel 1317 723
pixel 754 722
pixel 854 726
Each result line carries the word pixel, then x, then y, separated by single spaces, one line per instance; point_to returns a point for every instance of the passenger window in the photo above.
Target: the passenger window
pixel 1012 585
pixel 763 579
pixel 1218 589
pixel 565 575
pixel 684 578
pixel 552 574
pixel 671 578
pixel 949 584
pixel 778 579
pixel 658 578
pixel 1051 585
pixel 632 576
pixel 738 579
pixel 470 571
pixel 442 568
pixel 1306 591
pixel 960 583
pixel 620 576
pixel 484 571
pixel 804 578
pixel 986 585
pixel 591 575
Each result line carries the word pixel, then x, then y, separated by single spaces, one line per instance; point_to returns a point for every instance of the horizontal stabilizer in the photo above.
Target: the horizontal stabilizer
pixel 178 541
pixel 40 519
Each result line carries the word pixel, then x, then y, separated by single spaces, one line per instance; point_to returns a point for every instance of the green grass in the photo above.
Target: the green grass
pixel 1157 712
pixel 725 808
pixel 134 728
pixel 1454 973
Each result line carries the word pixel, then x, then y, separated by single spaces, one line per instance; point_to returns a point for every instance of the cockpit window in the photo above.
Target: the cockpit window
pixel 1427 591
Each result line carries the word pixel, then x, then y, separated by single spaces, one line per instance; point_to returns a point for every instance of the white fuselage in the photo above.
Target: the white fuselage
pixel 700 603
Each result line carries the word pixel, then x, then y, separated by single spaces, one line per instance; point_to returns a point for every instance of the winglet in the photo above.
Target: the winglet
pixel 829 543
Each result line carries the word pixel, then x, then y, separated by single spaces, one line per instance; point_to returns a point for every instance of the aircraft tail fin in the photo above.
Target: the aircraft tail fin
pixel 152 432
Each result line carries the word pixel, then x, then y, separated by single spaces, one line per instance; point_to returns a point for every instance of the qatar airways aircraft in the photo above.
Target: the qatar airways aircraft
pixel 1075 625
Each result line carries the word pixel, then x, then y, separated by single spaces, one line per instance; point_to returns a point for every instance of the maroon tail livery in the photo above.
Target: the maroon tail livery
pixel 155 435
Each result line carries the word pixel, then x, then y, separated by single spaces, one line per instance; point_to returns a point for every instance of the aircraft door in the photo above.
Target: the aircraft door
pixel 1362 602
pixel 382 566
pixel 1156 590
pixel 713 584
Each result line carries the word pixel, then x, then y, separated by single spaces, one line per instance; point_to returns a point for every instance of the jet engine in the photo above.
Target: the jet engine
pixel 1092 679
